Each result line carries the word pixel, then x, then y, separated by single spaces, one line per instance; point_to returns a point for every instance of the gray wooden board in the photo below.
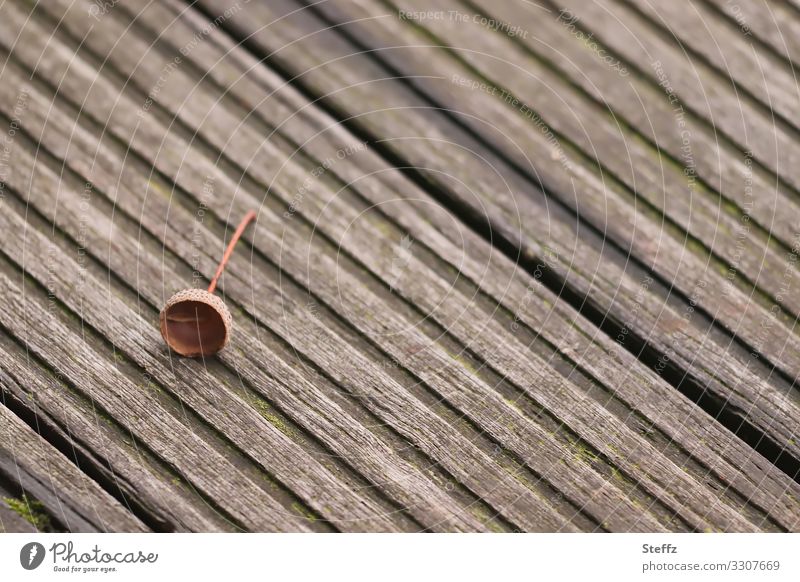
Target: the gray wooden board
pixel 357 456
pixel 697 208
pixel 367 451
pixel 149 423
pixel 403 397
pixel 483 481
pixel 249 93
pixel 11 521
pixel 159 495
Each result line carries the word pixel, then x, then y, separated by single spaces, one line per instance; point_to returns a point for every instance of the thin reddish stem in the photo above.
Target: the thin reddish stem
pixel 248 218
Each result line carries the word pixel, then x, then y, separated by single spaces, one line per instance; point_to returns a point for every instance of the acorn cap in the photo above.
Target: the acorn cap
pixel 195 323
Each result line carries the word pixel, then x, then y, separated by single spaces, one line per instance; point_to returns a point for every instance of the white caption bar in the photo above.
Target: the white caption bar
pixel 370 557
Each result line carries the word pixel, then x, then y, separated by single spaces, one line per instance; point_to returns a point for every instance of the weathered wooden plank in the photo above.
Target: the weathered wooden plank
pixel 357 454
pixel 697 85
pixel 209 266
pixel 681 138
pixel 70 498
pixel 638 519
pixel 682 204
pixel 30 321
pixel 697 29
pixel 140 410
pixel 353 245
pixel 775 23
pixel 155 493
pixel 709 363
pixel 125 326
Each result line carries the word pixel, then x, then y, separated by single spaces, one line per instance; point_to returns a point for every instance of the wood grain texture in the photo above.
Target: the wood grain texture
pixel 478 262
pixel 208 395
pixel 248 359
pixel 394 366
pixel 546 227
pixel 698 86
pixel 774 23
pixel 292 245
pixel 647 179
pixel 70 498
pixel 156 494
pixel 303 331
pixel 744 64
pixel 256 354
pixel 651 112
pixel 150 424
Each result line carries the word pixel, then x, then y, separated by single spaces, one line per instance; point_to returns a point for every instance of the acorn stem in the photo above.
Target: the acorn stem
pixel 248 218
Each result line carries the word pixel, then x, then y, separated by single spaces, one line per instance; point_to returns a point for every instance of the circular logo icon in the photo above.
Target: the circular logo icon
pixel 31 555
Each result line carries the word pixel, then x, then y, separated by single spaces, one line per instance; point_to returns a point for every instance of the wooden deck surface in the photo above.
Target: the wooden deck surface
pixel 517 266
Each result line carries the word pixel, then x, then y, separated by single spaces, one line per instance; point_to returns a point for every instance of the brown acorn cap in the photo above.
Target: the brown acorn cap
pixel 195 323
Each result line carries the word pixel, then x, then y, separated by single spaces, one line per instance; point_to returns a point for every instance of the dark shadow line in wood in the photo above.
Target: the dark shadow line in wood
pixel 794 7
pixel 545 190
pixel 10 484
pixel 177 189
pixel 682 380
pixel 15 489
pixel 295 147
pixel 55 436
pixel 770 367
